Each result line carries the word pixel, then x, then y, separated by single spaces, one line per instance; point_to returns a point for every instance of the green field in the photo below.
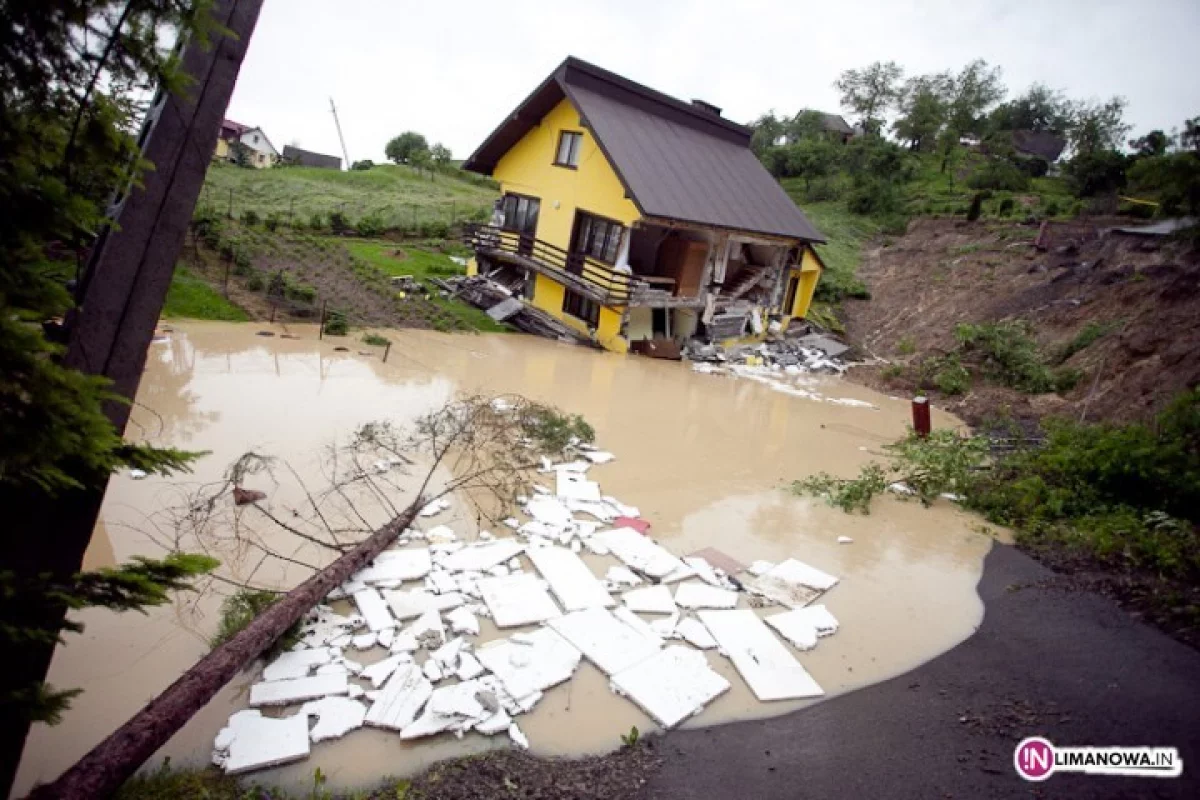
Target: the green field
pixel 423 262
pixel 191 297
pixel 400 197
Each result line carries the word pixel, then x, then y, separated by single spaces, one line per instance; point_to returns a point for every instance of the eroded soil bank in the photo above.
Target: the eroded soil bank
pixel 706 458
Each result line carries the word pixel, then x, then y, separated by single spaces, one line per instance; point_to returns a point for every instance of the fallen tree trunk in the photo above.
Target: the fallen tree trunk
pixel 112 762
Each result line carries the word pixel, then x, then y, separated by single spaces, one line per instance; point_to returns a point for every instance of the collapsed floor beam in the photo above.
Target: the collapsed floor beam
pixel 112 762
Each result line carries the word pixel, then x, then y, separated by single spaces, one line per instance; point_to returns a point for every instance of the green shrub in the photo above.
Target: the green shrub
pixel 551 430
pixel 363 165
pixel 976 207
pixel 999 173
pixel 1051 208
pixel 1006 206
pixel 335 324
pixel 256 282
pixel 317 222
pixel 906 346
pixel 338 223
pixel 273 222
pixel 854 494
pixel 436 230
pixel 951 377
pixel 250 217
pixel 894 225
pixel 370 226
pixel 301 293
pixel 1008 355
pixel 375 340
pixel 242 262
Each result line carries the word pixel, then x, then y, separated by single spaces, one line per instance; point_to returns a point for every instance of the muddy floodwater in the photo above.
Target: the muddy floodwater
pixel 706 458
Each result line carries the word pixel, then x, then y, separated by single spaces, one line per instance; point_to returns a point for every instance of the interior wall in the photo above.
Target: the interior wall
pixel 640 324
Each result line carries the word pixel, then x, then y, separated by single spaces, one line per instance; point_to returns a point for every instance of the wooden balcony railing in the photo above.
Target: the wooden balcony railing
pixel 578 272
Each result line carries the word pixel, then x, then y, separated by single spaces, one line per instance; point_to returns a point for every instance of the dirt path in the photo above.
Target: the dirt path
pixel 1067 665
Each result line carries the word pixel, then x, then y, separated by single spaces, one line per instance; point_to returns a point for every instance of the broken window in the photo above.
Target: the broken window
pixel 581 308
pixel 569 143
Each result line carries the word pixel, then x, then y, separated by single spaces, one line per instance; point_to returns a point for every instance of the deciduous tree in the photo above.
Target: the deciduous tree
pixel 870 91
pixel 400 150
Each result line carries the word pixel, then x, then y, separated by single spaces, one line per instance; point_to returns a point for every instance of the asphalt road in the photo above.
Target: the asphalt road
pixel 1067 665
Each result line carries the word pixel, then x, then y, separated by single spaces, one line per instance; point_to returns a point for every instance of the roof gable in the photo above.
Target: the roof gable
pixel 676 161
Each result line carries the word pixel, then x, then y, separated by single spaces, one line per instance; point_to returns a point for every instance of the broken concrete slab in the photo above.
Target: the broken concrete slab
pixel 380 671
pixel 447 655
pixel 574 486
pixel 639 625
pixel 324 627
pixel 518 738
pixel 639 552
pixel 256 742
pixel 428 630
pixel 537 661
pixel 694 633
pixel 432 670
pixel 791 583
pixel 622 576
pixel 607 642
pixel 706 572
pixel 570 579
pixel 374 610
pixel 598 456
pixel 468 667
pixel 620 509
pixel 497 723
pixel 463 620
pixel 830 347
pixel 456 700
pixel 770 671
pixel 665 626
pixel 671 685
pixel 414 603
pixel 297 690
pixel 336 716
pixel 365 641
pixel 694 594
pixel 548 511
pixel 650 600
pixel 483 557
pixel 802 626
pixel 297 663
pixel 517 600
pixel 760 567
pixel 401 699
pixel 407 564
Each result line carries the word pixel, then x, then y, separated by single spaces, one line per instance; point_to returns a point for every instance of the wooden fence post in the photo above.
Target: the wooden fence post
pixel 321 335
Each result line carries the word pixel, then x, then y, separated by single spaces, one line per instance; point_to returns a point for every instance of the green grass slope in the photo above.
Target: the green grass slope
pixel 191 297
pixel 398 196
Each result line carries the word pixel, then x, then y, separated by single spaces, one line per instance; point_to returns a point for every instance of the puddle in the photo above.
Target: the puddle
pixel 703 456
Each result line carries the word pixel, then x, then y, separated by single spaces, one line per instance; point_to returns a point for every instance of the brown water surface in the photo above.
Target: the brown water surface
pixel 704 457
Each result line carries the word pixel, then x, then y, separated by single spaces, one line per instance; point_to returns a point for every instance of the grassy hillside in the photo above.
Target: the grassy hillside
pixel 192 297
pixel 399 197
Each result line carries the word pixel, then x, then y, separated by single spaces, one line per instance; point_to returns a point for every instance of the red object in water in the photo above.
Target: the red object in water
pixel 920 412
pixel 639 525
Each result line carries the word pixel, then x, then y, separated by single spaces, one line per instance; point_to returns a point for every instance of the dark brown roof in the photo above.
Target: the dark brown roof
pixel 835 123
pixel 307 158
pixel 1042 144
pixel 677 161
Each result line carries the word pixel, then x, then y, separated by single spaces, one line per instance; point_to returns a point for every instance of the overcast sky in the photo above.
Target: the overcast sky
pixel 452 70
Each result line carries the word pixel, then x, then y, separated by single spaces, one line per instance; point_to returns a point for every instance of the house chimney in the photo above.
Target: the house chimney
pixel 708 107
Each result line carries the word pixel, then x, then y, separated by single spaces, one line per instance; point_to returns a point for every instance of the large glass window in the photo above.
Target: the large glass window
pixel 521 213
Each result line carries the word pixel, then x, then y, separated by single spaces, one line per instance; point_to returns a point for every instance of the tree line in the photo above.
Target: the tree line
pixel 944 115
pixel 413 149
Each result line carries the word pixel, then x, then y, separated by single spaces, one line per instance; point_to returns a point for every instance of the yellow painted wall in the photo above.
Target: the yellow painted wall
pixel 528 168
pixel 222 151
pixel 809 273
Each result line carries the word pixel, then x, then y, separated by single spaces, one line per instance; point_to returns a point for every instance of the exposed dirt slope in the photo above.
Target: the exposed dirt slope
pixel 1146 294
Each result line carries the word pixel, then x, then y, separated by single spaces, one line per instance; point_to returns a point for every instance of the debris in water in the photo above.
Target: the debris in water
pixel 770 671
pixel 435 507
pixel 251 741
pixel 536 662
pixel 606 641
pixel 374 610
pixel 695 634
pixel 398 704
pixel 296 663
pixel 137 474
pixel 463 620
pixel 336 716
pixel 639 552
pixel 243 497
pixel 570 579
pixel 671 685
pixel 517 600
pixel 845 540
pixel 791 583
pixel 802 626
pixel 297 690
pixel 650 600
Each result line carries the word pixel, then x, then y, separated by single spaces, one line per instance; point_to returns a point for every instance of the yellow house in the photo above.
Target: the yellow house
pixel 630 215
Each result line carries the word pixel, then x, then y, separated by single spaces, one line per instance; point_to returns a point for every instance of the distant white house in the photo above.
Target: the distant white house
pixel 263 153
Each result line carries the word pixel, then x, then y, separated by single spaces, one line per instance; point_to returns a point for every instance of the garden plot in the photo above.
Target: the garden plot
pixel 422 626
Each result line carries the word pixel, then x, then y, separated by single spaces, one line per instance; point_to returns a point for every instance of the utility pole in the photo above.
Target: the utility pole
pixel 338 125
pixel 120 297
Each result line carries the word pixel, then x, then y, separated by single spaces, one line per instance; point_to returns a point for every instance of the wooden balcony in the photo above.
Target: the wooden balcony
pixel 579 273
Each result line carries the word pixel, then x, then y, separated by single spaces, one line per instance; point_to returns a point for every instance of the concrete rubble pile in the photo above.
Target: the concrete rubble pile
pixel 398 646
